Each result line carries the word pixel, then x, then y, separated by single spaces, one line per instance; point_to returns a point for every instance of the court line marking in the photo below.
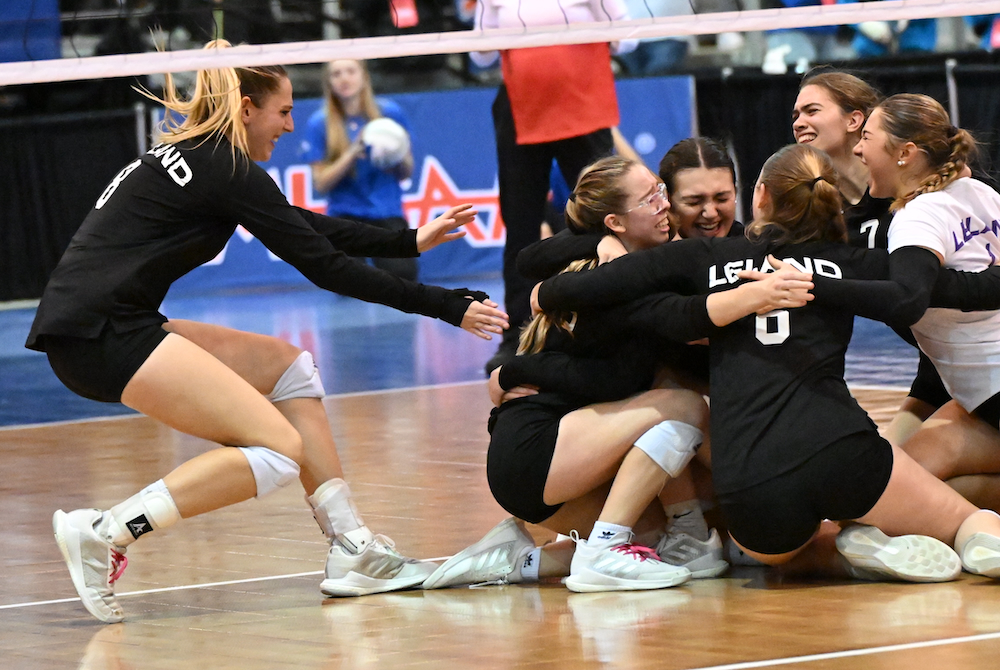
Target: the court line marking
pixel 848 653
pixel 137 415
pixel 185 587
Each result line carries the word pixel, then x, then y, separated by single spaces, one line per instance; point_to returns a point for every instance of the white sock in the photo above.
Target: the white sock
pixel 529 565
pixel 150 509
pixel 604 531
pixel 686 517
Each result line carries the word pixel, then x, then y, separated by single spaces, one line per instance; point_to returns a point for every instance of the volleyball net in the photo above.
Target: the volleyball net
pixel 420 44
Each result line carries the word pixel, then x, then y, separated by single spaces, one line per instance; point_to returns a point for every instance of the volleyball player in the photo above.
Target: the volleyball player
pixel 160 217
pixel 791 447
pixel 597 469
pixel 700 182
pixel 829 113
pixel 942 219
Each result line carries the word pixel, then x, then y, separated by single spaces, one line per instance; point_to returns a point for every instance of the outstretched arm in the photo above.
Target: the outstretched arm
pixel 967 291
pixel 362 239
pixel 900 300
pixel 668 267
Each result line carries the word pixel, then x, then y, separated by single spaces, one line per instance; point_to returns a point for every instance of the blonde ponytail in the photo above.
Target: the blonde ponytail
pixel 214 107
pixel 533 335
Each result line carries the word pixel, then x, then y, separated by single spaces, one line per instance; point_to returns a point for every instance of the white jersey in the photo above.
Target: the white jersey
pixel 961 223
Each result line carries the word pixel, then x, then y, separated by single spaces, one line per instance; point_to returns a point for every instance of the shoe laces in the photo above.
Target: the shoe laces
pixel 636 551
pixel 118 564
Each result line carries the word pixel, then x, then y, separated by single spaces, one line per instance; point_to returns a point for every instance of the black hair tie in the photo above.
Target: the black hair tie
pixel 572 196
pixel 812 184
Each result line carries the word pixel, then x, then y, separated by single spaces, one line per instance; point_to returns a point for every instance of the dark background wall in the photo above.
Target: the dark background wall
pixel 52 169
pixel 54 165
pixel 752 111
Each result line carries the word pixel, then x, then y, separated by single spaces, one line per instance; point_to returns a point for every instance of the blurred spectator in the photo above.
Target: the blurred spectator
pixel 658 55
pixel 881 38
pixel 987 29
pixel 804 46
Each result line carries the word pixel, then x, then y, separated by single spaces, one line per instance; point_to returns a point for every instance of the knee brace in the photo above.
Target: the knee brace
pixel 271 470
pixel 671 444
pixel 300 380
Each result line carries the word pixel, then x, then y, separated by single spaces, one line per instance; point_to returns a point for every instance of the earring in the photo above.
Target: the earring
pixel 900 163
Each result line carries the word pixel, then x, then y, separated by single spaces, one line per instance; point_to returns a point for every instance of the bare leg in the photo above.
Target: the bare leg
pixel 594 440
pixel 908 419
pixel 187 388
pixel 983 491
pixel 261 360
pixel 917 502
pixel 952 442
pixel 580 514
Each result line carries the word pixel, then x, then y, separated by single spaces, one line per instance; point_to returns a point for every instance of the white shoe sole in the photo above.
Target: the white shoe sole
pixel 68 539
pixel 354 584
pixel 594 582
pixel 981 555
pixel 910 558
pixel 711 572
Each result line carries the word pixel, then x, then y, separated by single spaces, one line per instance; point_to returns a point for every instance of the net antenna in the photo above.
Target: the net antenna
pixel 366 48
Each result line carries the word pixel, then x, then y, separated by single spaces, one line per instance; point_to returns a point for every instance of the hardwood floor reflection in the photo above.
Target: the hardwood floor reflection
pixel 415 460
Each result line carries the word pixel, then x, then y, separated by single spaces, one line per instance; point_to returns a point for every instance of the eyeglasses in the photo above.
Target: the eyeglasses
pixel 660 195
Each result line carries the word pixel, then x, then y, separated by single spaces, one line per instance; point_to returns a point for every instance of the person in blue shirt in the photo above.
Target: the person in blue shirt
pixel 356 187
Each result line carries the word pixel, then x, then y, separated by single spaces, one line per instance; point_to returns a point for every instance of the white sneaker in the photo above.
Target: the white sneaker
pixel 619 565
pixel 94 563
pixel 377 568
pixel 874 556
pixel 496 558
pixel 981 555
pixel 702 557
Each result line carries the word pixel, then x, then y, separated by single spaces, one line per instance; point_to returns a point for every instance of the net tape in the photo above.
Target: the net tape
pixel 291 53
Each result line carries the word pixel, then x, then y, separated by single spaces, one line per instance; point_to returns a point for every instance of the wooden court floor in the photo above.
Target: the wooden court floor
pixel 239 588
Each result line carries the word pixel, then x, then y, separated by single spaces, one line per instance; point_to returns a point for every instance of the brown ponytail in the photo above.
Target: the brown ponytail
pixel 805 203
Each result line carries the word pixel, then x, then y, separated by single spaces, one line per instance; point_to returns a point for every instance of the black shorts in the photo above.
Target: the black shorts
pixel 523 439
pixel 843 481
pixel 927 385
pixel 100 368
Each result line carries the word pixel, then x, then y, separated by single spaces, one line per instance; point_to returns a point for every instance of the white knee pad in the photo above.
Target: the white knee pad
pixel 671 444
pixel 271 470
pixel 300 380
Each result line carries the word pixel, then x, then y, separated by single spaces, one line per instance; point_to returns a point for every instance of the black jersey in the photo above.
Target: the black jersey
pixel 610 353
pixel 778 389
pixel 543 259
pixel 868 222
pixel 175 208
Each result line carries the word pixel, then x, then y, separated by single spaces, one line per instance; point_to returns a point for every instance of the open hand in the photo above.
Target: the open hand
pixel 785 288
pixel 443 228
pixel 483 318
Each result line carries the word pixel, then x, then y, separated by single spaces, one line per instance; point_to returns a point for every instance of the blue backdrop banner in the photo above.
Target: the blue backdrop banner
pixel 455 159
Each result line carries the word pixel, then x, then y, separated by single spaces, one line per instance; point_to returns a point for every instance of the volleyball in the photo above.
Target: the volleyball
pixel 388 142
